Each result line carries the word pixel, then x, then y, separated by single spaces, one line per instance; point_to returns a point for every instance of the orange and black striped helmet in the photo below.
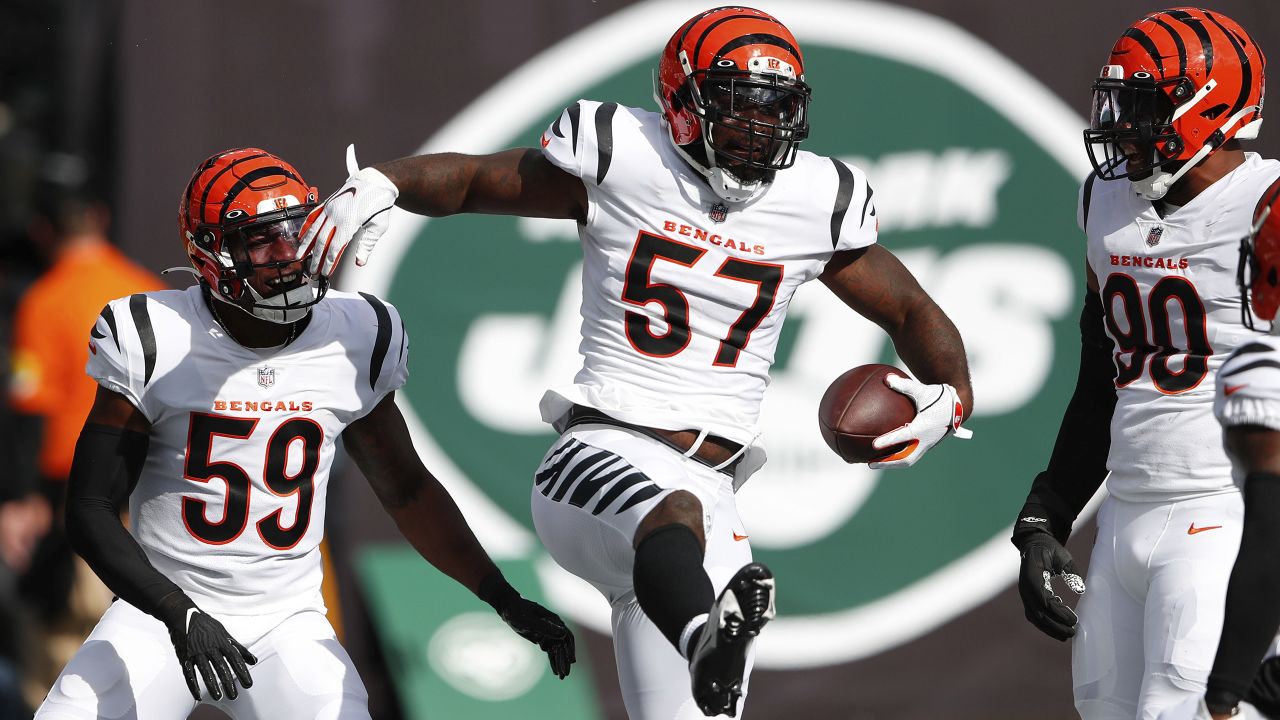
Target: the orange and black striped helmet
pixel 731 87
pixel 1258 275
pixel 238 194
pixel 1178 85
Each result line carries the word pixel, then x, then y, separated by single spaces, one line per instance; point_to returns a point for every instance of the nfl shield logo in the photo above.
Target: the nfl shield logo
pixel 718 212
pixel 1153 237
pixel 266 376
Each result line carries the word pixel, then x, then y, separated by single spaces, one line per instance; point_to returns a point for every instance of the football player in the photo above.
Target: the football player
pixel 698 223
pixel 1171 194
pixel 217 418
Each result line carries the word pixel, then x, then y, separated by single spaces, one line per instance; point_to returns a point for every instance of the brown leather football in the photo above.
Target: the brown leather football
pixel 858 407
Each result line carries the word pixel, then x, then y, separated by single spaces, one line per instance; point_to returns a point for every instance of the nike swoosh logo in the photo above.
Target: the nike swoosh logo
pixel 1193 529
pixel 1232 389
pixel 93 347
pixel 738 537
pixel 545 140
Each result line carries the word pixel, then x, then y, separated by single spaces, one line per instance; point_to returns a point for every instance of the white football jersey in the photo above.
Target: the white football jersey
pixel 684 294
pixel 1168 285
pixel 230 504
pixel 1248 387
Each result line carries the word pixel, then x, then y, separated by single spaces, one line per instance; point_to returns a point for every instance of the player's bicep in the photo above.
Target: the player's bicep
pixel 875 284
pixel 111 409
pixel 524 182
pixel 1255 448
pixel 381 447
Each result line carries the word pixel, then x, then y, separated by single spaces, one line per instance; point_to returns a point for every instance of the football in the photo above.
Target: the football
pixel 858 407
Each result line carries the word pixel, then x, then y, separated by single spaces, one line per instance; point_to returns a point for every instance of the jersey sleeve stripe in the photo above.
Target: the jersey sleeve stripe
pixel 575 115
pixel 604 139
pixel 383 340
pixel 1250 366
pixel 1252 348
pixel 109 316
pixel 865 204
pixel 843 197
pixel 146 334
pixel 1088 196
pixel 403 336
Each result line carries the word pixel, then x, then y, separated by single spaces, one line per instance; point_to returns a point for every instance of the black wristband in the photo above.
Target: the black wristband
pixel 496 591
pixel 172 609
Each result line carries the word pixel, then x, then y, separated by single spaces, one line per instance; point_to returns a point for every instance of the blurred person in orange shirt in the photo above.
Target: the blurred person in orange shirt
pixel 48 386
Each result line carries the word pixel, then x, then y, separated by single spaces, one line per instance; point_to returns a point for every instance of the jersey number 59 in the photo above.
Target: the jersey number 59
pixel 200 467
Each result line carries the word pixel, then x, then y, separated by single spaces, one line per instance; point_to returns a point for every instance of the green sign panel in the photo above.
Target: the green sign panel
pixel 975 168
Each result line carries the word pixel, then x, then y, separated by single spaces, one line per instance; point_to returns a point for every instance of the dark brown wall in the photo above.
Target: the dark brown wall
pixel 305 77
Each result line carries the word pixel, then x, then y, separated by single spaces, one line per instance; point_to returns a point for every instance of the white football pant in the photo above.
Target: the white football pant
pixel 1152 613
pixel 592 490
pixel 127 668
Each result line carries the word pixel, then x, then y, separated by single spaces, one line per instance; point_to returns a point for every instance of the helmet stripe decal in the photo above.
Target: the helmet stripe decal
pixel 204 199
pixel 604 139
pixel 146 334
pixel 757 39
pixel 1246 72
pixel 1206 44
pixel 843 197
pixel 1148 45
pixel 697 47
pixel 252 175
pixel 1177 41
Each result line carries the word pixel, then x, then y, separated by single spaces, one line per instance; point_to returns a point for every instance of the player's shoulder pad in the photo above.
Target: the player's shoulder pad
pixel 1248 385
pixel 853 213
pixel 581 140
pixel 388 353
pixel 124 344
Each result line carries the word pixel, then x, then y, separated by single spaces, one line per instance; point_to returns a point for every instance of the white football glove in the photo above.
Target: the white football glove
pixel 938 413
pixel 1194 709
pixel 358 212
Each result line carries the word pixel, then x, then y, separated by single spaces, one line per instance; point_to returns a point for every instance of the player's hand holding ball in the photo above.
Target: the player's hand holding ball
pixel 876 414
pixel 359 211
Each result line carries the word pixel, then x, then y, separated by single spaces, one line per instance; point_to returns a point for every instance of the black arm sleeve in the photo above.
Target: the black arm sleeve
pixel 1253 596
pixel 1079 461
pixel 104 470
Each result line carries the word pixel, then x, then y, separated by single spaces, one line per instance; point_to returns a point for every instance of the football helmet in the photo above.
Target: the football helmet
pixel 1179 84
pixel 731 87
pixel 1258 274
pixel 239 219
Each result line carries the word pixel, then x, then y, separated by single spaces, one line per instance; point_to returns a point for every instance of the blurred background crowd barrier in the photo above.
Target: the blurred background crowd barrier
pixel 895 592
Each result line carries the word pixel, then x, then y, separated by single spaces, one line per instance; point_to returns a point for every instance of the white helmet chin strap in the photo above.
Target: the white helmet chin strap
pixel 287 307
pixel 724 184
pixel 1157 184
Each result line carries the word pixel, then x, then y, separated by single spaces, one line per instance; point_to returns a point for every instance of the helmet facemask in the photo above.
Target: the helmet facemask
pixel 752 124
pixel 1258 272
pixel 1131 134
pixel 260 272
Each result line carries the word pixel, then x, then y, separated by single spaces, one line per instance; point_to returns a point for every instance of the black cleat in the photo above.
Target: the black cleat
pixel 718 661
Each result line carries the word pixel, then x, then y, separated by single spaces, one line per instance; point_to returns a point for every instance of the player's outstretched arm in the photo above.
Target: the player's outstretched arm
pixel 108 459
pixel 877 286
pixel 513 182
pixel 431 522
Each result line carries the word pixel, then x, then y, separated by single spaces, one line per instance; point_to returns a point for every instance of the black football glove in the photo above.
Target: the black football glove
pixel 201 642
pixel 1044 558
pixel 532 622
